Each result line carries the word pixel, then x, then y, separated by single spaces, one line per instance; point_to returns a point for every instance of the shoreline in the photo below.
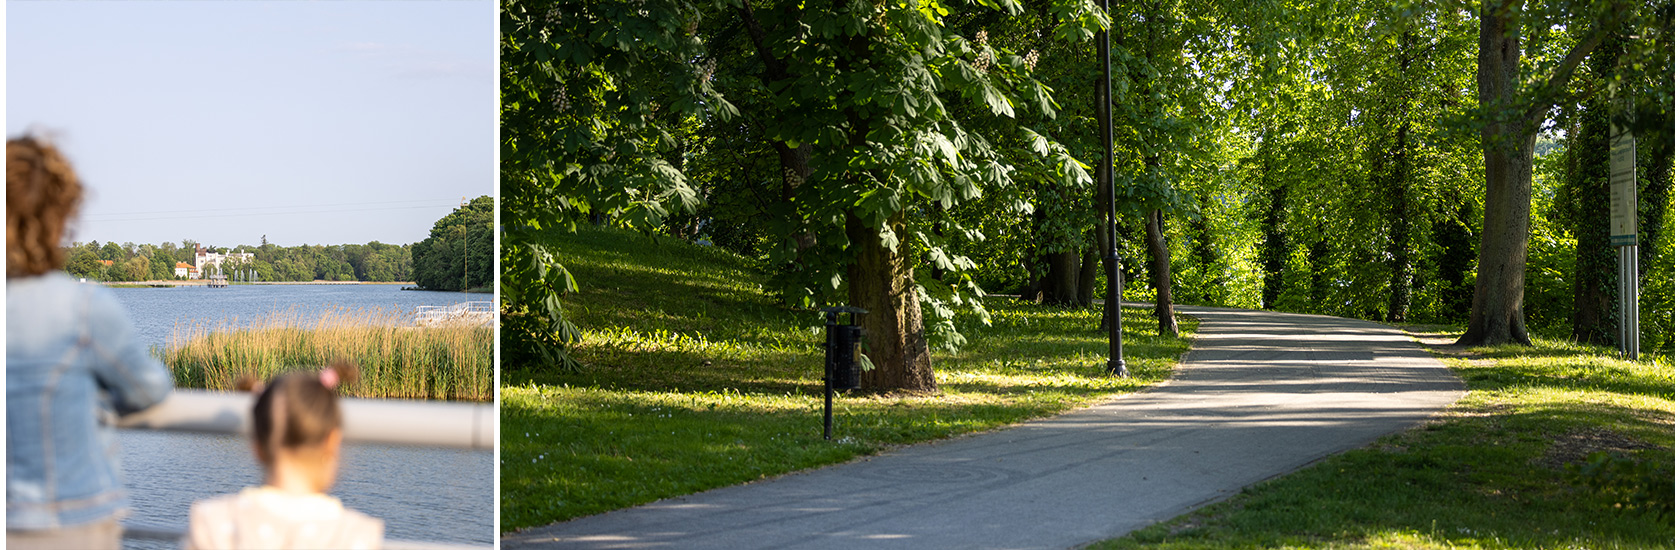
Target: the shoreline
pixel 204 283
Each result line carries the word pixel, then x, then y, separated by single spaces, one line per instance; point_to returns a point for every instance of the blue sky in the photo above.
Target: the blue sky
pixel 222 122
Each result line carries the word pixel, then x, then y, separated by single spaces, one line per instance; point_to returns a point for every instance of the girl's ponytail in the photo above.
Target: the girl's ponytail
pixel 298 409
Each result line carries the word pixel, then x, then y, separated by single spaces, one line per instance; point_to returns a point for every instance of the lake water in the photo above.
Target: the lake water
pixel 157 311
pixel 422 493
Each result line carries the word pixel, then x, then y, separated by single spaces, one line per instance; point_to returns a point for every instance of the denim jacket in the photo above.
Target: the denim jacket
pixel 72 359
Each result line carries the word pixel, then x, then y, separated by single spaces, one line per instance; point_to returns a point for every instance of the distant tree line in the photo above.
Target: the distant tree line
pixel 371 262
pixel 460 252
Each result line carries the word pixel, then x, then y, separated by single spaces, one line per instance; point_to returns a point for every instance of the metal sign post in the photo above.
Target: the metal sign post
pixel 1624 235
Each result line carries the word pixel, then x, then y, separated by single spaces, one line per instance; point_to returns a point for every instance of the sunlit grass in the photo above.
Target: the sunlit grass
pixel 694 379
pixel 1496 470
pixel 397 360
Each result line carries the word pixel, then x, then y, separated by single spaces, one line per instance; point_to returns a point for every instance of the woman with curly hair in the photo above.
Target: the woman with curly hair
pixel 72 362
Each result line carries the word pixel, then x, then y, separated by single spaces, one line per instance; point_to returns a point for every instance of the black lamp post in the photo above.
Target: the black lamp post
pixel 1105 106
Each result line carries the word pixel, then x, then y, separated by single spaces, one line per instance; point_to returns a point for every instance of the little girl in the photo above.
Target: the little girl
pixel 296 435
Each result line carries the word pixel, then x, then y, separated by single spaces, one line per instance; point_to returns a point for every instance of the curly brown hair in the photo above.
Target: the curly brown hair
pixel 42 194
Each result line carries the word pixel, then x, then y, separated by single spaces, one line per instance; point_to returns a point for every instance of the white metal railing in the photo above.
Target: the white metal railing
pixel 430 423
pixel 435 423
pixel 474 313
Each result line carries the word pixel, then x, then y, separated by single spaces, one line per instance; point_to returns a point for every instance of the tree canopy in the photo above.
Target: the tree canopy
pixel 1366 158
pixel 459 253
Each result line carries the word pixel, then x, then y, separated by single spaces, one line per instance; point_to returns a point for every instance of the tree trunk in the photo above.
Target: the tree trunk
pixel 1656 185
pixel 796 167
pixel 1508 129
pixel 1102 246
pixel 1458 252
pixel 1088 268
pixel 881 281
pixel 1213 280
pixel 1160 271
pixel 1319 265
pixel 1496 315
pixel 795 161
pixel 1105 179
pixel 1036 262
pixel 1594 319
pixel 1274 250
pixel 1061 283
pixel 1401 266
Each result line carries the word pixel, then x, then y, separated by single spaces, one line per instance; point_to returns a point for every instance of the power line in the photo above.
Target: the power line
pixel 303 206
pixel 223 214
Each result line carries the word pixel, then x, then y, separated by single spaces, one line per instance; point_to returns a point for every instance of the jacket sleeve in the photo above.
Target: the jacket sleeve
pixel 124 368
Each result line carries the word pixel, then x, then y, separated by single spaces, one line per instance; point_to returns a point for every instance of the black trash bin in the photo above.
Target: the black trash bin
pixel 841 369
pixel 844 347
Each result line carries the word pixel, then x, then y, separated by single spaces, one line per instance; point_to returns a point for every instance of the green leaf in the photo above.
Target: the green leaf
pixel 1037 143
pixel 995 100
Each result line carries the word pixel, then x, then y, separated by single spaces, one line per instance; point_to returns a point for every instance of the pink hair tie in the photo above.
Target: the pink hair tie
pixel 329 378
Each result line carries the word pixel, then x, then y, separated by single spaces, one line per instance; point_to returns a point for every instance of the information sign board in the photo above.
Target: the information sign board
pixel 1624 191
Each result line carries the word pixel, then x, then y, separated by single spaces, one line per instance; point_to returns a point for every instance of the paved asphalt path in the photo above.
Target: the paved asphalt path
pixel 1260 394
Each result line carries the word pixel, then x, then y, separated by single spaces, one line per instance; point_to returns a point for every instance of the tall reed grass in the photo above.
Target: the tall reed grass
pixel 397 360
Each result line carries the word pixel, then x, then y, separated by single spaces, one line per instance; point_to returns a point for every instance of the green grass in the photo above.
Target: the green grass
pixel 452 362
pixel 1496 470
pixel 694 379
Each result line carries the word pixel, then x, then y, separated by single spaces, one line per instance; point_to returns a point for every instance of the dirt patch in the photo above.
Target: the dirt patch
pixel 1442 344
pixel 1574 446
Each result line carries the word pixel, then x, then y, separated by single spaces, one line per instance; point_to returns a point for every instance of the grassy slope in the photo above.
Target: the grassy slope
pixel 695 379
pixel 1490 472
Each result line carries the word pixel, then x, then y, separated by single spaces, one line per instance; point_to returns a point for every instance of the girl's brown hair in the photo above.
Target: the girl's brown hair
pixel 42 193
pixel 296 410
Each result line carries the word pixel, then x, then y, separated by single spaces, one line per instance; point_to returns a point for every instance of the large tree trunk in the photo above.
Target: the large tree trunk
pixel 1160 272
pixel 1508 129
pixel 1058 283
pixel 1496 315
pixel 881 281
